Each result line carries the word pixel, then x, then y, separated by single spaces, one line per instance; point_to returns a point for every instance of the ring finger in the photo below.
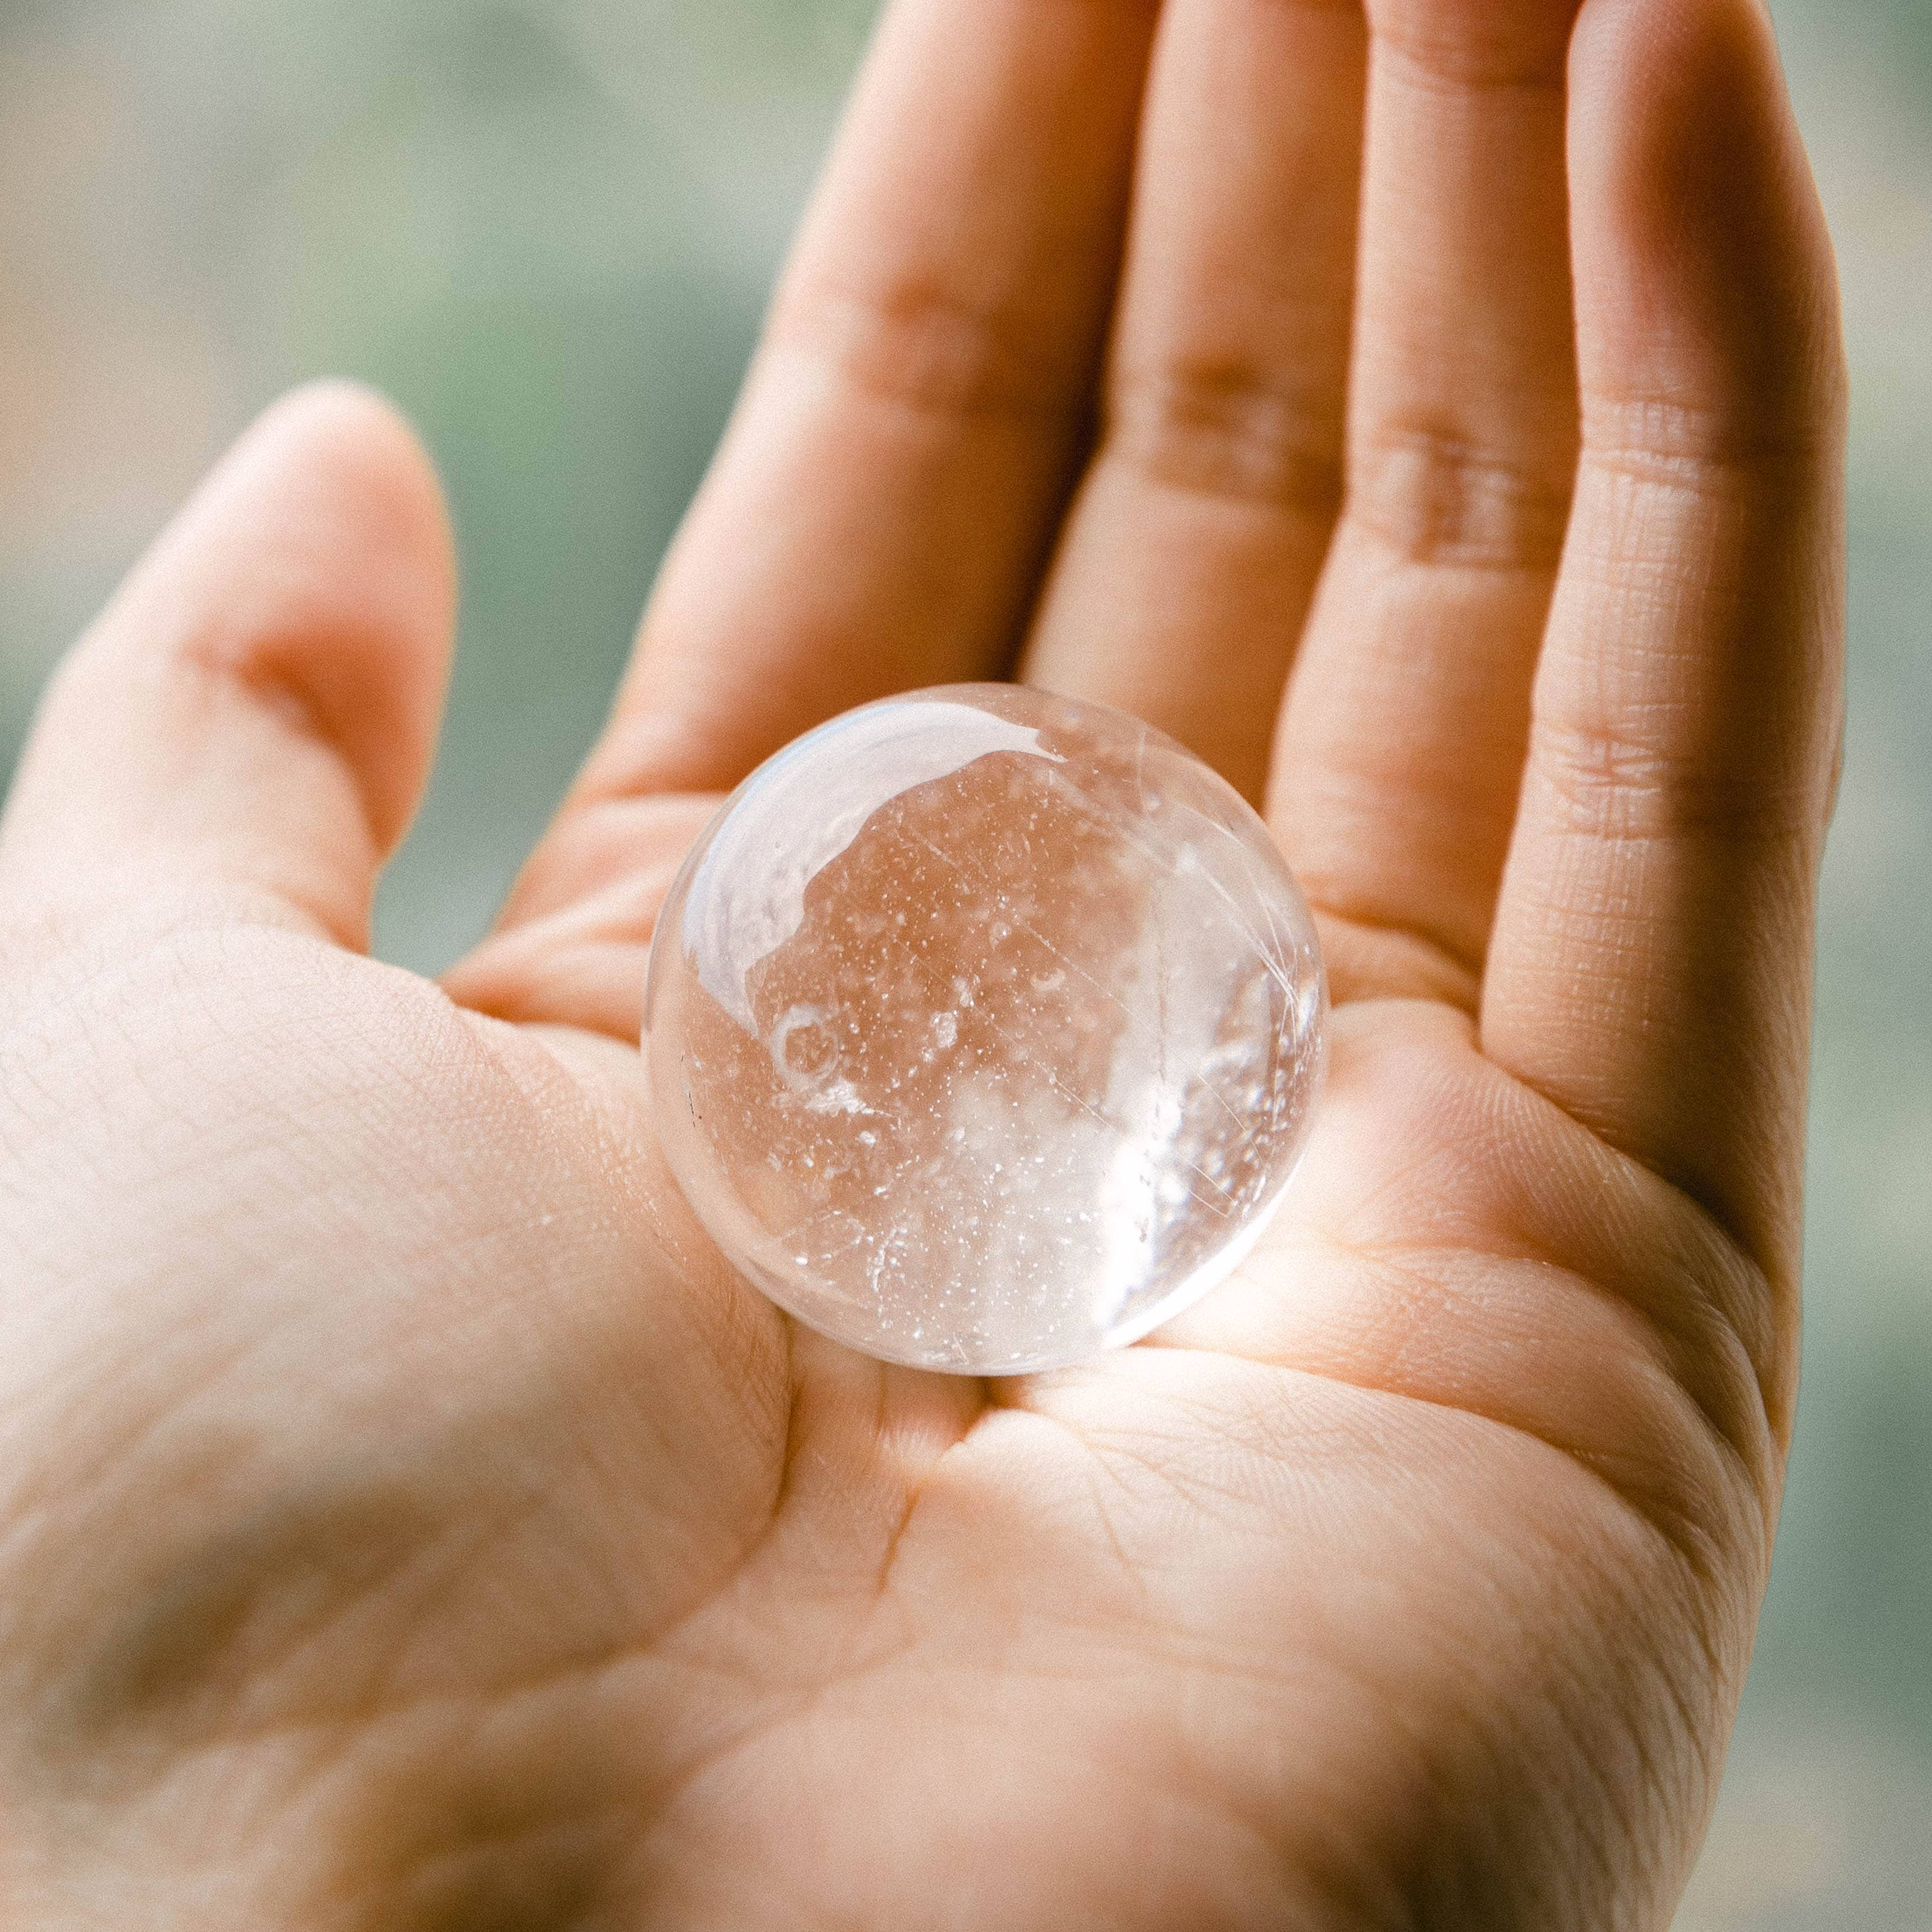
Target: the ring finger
pixel 1402 746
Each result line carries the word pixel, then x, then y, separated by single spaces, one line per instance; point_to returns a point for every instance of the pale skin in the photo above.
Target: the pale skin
pixel 408 1520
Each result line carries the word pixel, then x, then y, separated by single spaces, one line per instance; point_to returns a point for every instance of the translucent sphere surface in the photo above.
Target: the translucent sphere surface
pixel 984 1029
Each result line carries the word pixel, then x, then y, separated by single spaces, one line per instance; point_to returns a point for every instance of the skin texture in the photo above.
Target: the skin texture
pixel 406 1519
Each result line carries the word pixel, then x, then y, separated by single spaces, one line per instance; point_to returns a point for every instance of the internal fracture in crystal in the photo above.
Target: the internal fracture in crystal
pixel 985 1028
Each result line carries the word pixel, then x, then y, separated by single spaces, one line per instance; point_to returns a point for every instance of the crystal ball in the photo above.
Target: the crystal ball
pixel 985 1028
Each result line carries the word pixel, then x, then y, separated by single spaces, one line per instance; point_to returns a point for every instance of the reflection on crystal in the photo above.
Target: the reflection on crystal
pixel 984 1029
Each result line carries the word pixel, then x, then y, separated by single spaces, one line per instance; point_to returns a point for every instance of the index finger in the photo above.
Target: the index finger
pixel 877 515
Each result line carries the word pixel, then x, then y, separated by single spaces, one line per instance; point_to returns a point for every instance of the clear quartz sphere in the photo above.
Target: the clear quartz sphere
pixel 985 1028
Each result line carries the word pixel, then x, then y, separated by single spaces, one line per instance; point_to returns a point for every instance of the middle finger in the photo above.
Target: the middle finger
pixel 1186 566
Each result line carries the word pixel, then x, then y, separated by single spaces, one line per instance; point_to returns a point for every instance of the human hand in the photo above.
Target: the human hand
pixel 407 1520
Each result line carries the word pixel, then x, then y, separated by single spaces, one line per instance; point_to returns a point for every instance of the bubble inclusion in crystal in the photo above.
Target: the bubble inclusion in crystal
pixel 985 1028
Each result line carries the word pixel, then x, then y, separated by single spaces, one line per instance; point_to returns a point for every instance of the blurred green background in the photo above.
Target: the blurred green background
pixel 546 227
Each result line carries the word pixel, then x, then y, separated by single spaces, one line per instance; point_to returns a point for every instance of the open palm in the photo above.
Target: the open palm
pixel 407 1518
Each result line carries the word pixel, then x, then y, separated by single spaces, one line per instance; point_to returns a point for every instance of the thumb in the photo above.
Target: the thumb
pixel 251 721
